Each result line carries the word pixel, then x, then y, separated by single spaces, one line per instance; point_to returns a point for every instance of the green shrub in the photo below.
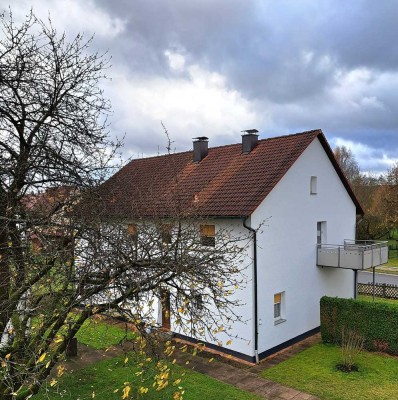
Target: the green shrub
pixel 376 322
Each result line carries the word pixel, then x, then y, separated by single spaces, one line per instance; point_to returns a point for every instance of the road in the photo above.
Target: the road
pixel 366 277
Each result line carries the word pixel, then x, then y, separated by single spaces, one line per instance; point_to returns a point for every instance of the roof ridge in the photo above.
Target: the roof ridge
pixel 228 145
pixel 318 131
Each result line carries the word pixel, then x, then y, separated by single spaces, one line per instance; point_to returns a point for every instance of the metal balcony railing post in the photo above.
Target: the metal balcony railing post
pixel 371 249
pixel 363 258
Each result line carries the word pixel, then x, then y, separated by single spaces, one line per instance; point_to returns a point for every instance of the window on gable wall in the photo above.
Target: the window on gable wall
pixel 313 185
pixel 321 232
pixel 277 305
pixel 208 235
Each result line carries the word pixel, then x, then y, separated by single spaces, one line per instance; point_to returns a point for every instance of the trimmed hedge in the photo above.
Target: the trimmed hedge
pixel 377 322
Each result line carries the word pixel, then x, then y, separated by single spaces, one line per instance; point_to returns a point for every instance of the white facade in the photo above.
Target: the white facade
pixel 242 333
pixel 287 246
pixel 286 253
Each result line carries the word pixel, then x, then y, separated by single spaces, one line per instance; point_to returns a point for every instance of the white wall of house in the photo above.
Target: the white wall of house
pixel 241 332
pixel 287 246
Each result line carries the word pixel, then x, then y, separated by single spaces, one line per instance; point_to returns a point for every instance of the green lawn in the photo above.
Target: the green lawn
pixel 378 299
pixel 392 269
pixel 392 262
pixel 106 376
pixel 100 334
pixel 314 371
pixel 392 259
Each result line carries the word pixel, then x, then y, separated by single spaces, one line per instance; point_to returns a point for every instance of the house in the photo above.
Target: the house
pixel 48 211
pixel 293 183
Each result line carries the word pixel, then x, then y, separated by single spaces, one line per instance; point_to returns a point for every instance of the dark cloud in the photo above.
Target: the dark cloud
pixel 290 56
pixel 285 66
pixel 260 45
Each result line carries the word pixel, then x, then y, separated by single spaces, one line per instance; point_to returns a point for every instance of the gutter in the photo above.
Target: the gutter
pixel 255 287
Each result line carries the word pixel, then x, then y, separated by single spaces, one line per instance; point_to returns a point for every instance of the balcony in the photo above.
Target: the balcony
pixel 353 254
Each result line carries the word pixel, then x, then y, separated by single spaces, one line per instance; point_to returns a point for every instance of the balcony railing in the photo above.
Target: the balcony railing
pixel 353 254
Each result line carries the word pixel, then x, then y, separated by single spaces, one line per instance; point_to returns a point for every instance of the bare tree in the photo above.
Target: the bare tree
pixel 381 215
pixel 61 260
pixel 347 163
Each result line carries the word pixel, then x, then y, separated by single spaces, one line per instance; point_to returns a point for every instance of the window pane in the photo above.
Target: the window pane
pixel 166 233
pixel 207 230
pixel 207 235
pixel 277 310
pixel 313 185
pixel 132 230
pixel 277 298
pixel 208 241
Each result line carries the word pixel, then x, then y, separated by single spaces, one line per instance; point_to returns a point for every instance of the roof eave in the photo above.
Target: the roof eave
pixel 321 137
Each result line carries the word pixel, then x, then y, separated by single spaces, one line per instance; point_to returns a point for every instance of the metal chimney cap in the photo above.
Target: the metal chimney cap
pixel 200 138
pixel 250 131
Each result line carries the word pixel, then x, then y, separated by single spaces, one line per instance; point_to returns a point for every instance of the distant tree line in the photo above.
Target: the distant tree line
pixel 378 195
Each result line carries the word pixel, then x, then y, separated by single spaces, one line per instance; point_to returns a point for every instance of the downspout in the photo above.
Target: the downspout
pixel 255 288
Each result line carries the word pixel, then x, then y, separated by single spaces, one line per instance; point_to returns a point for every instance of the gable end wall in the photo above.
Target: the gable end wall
pixel 287 246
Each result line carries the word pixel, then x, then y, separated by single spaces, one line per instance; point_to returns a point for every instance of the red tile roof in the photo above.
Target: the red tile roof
pixel 225 183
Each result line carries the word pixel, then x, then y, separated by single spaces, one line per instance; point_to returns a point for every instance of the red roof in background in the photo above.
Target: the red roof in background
pixel 225 183
pixel 47 202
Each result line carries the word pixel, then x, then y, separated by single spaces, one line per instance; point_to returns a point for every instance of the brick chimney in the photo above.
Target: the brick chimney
pixel 200 148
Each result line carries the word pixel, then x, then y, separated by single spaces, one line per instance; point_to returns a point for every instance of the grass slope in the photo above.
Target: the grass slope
pixel 314 371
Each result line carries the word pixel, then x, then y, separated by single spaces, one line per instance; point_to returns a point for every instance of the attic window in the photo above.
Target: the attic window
pixel 313 185
pixel 208 235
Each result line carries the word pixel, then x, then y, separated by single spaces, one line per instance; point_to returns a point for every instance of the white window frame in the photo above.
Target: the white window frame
pixel 278 319
pixel 321 232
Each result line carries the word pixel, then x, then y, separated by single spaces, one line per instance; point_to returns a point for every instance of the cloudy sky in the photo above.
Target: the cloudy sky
pixel 213 68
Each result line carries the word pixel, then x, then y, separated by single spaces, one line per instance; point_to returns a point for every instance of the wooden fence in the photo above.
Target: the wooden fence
pixel 381 290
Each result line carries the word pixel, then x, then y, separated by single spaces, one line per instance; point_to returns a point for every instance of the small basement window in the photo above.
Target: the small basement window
pixel 208 235
pixel 313 185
